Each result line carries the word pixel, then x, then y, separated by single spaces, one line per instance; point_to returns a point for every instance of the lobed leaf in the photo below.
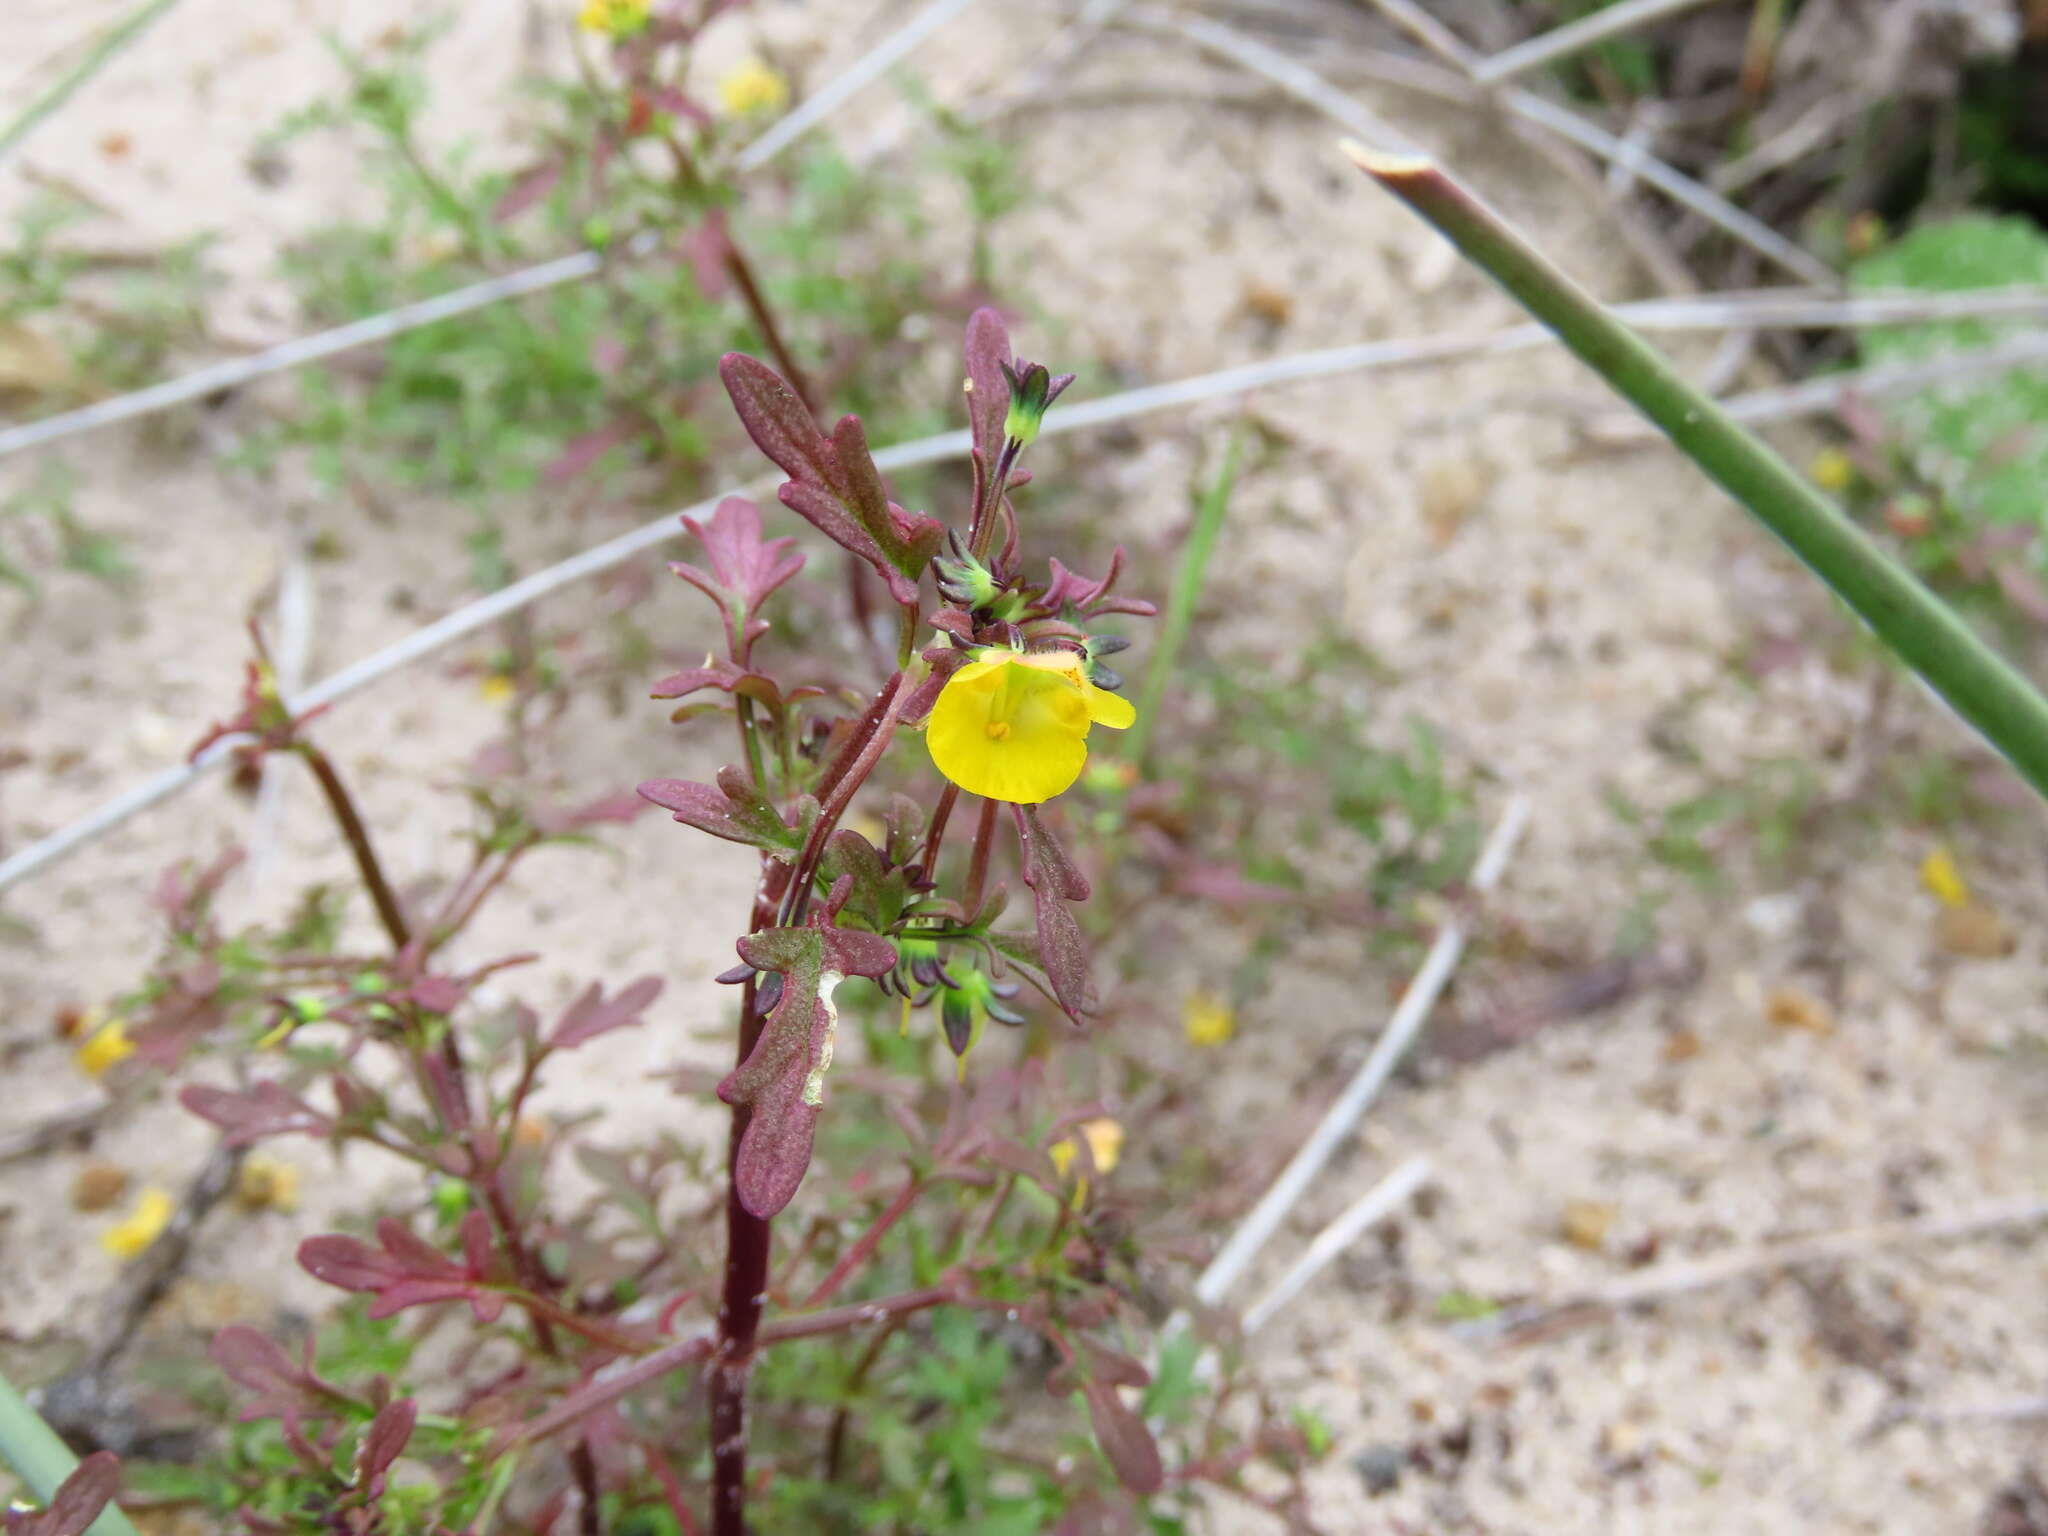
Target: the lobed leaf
pixel 782 1081
pixel 592 1014
pixel 248 1116
pixel 1054 881
pixel 833 480
pixel 735 811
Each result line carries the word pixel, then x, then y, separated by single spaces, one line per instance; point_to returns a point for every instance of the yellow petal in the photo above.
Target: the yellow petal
pixel 1010 728
pixel 108 1046
pixel 136 1231
pixel 1207 1019
pixel 1943 880
pixel 1110 709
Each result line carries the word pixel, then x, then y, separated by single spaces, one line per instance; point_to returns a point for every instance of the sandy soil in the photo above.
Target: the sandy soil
pixel 1550 613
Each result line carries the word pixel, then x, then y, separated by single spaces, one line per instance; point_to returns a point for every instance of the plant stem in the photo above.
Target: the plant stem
pixel 866 1244
pixel 835 1440
pixel 1186 593
pixel 977 861
pixel 42 1461
pixel 747 1245
pixel 1916 625
pixel 358 838
pixel 111 42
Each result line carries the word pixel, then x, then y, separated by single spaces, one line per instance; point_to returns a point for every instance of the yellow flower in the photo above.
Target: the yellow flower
pixel 1014 724
pixel 751 88
pixel 497 688
pixel 265 1184
pixel 614 18
pixel 1831 470
pixel 1207 1019
pixel 141 1227
pixel 107 1046
pixel 1943 880
pixel 1105 1140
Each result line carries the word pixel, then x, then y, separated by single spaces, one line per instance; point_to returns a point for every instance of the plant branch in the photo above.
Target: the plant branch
pixel 357 837
pixel 1917 626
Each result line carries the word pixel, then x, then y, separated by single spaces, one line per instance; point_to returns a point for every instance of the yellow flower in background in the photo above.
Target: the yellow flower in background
pixel 265 1184
pixel 497 688
pixel 107 1046
pixel 1013 725
pixel 1832 470
pixel 1207 1019
pixel 751 88
pixel 614 18
pixel 1105 1138
pixel 141 1227
pixel 1943 880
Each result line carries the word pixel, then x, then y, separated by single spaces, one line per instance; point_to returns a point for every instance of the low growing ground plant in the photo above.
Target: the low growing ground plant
pixel 660 1357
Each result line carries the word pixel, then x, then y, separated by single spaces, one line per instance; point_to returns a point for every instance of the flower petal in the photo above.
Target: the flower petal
pixel 1110 709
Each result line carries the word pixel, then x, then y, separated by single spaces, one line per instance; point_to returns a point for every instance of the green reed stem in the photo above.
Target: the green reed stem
pixel 43 1461
pixel 1917 626
pixel 1181 600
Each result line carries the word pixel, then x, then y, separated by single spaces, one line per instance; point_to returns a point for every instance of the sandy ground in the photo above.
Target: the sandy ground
pixel 1550 613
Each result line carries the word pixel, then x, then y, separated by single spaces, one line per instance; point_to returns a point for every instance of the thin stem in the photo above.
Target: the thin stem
pixel 835 1440
pixel 747 1244
pixel 840 795
pixel 750 740
pixel 1916 625
pixel 865 1245
pixel 111 42
pixel 357 837
pixel 748 1241
pixel 977 863
pixel 935 834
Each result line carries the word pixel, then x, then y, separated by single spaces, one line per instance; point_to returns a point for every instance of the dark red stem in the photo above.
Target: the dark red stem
pixel 357 837
pixel 865 1245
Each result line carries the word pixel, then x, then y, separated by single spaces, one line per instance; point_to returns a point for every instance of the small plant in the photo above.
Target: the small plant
pixel 616 1371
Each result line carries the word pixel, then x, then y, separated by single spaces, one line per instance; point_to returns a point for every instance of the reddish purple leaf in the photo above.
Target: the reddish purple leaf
pixel 586 448
pixel 593 1014
pixel 1089 597
pixel 723 675
pixel 407 1271
pixel 77 1502
pixel 735 811
pixel 246 1117
pixel 620 805
pixel 988 395
pixel 1054 881
pixel 782 1081
pixel 528 188
pixel 385 1440
pixel 1132 1452
pixel 708 250
pixel 745 568
pixel 285 1389
pixel 833 481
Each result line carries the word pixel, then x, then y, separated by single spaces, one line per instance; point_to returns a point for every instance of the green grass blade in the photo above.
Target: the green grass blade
pixel 1180 602
pixel 1917 626
pixel 42 1461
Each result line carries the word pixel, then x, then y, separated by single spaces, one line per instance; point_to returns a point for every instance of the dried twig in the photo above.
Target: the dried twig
pixel 1371 1208
pixel 1668 1280
pixel 143 1283
pixel 1674 184
pixel 1342 1117
pixel 1574 37
pixel 54 1130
